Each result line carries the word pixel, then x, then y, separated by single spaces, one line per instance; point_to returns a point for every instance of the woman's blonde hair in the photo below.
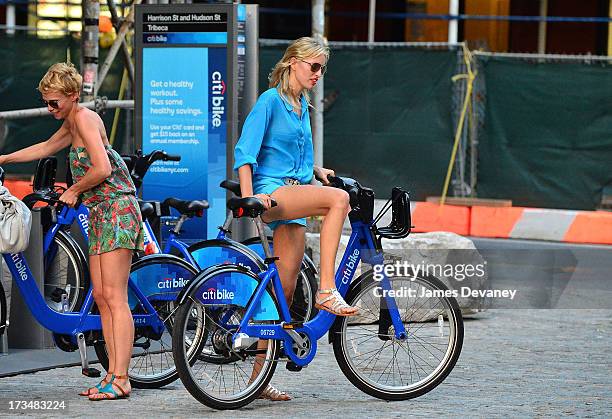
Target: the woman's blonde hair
pixel 63 78
pixel 302 49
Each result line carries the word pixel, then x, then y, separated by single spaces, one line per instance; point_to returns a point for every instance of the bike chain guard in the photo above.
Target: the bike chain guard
pixel 300 346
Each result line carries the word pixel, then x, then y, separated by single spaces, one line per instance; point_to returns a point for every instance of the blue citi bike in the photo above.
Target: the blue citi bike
pixel 66 273
pixel 152 365
pixel 404 342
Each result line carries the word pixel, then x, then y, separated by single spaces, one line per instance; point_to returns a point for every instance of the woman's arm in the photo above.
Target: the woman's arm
pixel 321 174
pixel 87 127
pixel 245 176
pixel 61 139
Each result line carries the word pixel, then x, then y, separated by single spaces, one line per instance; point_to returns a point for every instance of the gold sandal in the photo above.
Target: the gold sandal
pixel 274 394
pixel 338 305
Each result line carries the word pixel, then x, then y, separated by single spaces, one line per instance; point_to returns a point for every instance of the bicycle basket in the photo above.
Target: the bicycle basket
pixel 401 222
pixel 44 178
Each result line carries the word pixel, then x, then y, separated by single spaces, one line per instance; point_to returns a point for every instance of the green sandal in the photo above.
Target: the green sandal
pixel 109 393
pixel 103 383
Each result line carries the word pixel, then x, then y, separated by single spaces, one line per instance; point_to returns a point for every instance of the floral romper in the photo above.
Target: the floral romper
pixel 114 215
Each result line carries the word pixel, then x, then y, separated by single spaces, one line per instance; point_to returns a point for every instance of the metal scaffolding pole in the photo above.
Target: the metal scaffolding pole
pixel 318 33
pixel 542 27
pixel 89 48
pixel 10 19
pixel 112 53
pixel 127 58
pixel 372 21
pixel 98 105
pixel 453 24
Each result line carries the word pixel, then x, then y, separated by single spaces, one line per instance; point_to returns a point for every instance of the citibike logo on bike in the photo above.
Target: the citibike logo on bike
pixel 217 94
pixel 84 221
pixel 352 263
pixel 171 283
pixel 217 294
pixel 20 265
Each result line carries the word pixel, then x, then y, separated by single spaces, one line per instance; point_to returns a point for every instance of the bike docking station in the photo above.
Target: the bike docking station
pixel 23 331
pixel 196 70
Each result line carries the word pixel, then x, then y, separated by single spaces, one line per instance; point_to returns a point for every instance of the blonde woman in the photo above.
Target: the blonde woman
pixel 103 182
pixel 274 160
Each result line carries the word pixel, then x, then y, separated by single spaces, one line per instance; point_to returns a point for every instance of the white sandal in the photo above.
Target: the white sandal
pixel 338 304
pixel 274 394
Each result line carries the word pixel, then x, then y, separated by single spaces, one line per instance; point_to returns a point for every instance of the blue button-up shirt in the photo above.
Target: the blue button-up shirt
pixel 275 140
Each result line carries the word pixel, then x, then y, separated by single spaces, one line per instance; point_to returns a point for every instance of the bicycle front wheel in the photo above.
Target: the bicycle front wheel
pixel 232 378
pixel 160 278
pixel 381 365
pixel 66 272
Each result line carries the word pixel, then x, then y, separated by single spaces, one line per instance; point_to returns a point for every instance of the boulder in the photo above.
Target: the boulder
pixel 447 256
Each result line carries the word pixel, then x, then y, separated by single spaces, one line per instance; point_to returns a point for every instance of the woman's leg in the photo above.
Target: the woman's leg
pixel 95 274
pixel 115 268
pixel 289 242
pixel 289 248
pixel 333 204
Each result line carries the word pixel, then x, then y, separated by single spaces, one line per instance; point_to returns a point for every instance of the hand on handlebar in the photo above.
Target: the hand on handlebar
pixel 70 198
pixel 266 200
pixel 322 174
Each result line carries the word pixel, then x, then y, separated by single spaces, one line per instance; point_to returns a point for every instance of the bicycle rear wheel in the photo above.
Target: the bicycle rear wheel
pixel 242 375
pixel 160 278
pixel 382 366
pixel 302 308
pixel 66 272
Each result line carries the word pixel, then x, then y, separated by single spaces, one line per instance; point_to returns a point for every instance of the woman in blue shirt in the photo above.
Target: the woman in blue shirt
pixel 274 159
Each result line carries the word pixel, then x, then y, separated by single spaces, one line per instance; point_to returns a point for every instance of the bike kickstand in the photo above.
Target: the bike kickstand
pixel 85 368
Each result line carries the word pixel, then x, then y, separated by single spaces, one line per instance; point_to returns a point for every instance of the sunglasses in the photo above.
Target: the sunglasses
pixel 314 67
pixel 54 103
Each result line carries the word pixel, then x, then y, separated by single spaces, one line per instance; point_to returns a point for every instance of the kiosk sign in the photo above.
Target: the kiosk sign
pixel 184 74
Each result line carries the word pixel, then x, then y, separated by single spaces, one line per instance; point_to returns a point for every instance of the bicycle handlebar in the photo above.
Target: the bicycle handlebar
pixel 50 197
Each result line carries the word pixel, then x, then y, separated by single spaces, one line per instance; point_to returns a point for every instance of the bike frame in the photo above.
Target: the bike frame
pixel 68 215
pixel 361 246
pixel 70 323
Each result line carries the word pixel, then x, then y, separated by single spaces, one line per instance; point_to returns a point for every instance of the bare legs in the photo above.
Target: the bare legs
pixel 297 202
pixel 109 273
pixel 301 201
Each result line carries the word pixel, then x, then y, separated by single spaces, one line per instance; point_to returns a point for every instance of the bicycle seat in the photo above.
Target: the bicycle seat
pixel 246 207
pixel 232 186
pixel 146 208
pixel 190 208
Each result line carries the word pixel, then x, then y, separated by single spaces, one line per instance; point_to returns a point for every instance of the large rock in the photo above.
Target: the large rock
pixel 443 255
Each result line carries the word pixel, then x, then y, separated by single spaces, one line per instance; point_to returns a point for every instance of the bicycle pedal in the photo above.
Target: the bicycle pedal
pixel 91 372
pixel 293 367
pixel 292 325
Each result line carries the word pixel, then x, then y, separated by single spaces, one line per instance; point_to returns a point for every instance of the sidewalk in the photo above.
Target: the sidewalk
pixel 514 363
pixel 22 361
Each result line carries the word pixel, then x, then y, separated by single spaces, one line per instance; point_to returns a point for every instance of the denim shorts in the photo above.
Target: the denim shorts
pixel 267 185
